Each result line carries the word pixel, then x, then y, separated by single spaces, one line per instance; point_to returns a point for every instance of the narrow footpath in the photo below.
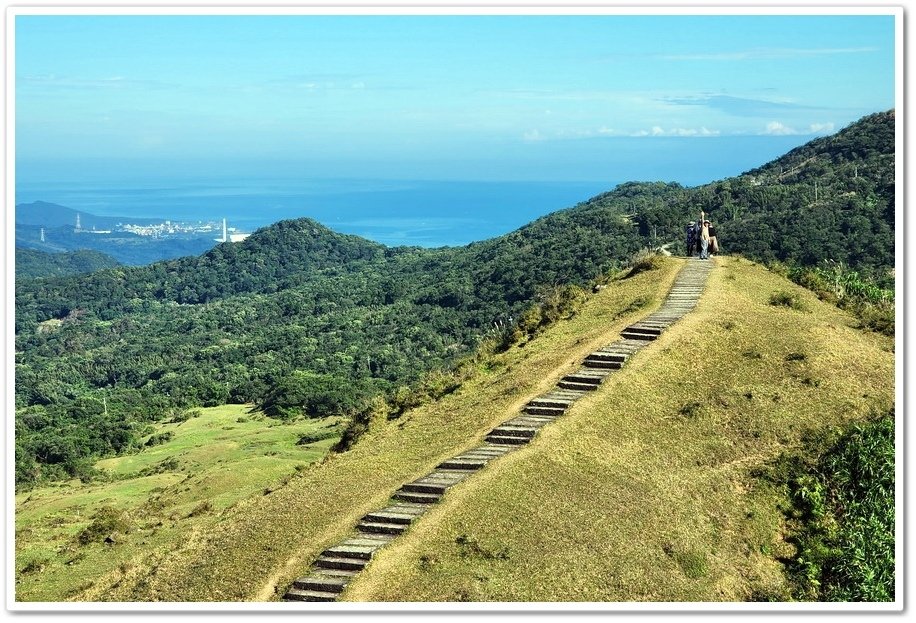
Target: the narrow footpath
pixel 338 564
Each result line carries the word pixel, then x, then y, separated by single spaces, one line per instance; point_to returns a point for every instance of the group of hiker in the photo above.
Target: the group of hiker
pixel 701 238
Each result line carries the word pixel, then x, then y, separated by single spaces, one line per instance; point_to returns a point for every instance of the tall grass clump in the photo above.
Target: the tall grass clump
pixel 641 261
pixel 842 518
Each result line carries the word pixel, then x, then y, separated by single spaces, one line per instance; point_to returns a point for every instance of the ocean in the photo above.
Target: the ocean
pixel 393 212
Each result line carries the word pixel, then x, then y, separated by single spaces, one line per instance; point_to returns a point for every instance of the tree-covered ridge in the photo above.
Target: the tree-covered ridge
pixel 299 306
pixel 31 264
pixel 831 199
pixel 321 318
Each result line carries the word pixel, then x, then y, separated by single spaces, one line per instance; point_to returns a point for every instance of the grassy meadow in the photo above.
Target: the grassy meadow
pixel 74 540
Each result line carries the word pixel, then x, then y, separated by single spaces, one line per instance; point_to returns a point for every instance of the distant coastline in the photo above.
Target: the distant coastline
pixel 419 213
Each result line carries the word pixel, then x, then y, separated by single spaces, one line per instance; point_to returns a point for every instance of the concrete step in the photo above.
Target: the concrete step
pixel 535 421
pixel 295 594
pixel 505 449
pixel 583 378
pixel 504 439
pixel 406 508
pixel 536 410
pixel 381 527
pixel 609 357
pixel 368 540
pixel 420 498
pixel 486 451
pixel 334 562
pixel 433 487
pixel 550 403
pixel 633 335
pixel 641 328
pixel 349 551
pixel 321 583
pixel 389 517
pixel 444 475
pixel 601 364
pixel 468 464
pixel 472 455
pixel 514 431
pixel 345 574
pixel 581 386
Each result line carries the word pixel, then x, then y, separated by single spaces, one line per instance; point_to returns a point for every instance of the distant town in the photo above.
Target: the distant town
pixel 168 228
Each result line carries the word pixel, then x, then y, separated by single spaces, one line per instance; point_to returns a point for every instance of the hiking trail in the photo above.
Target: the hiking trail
pixel 338 564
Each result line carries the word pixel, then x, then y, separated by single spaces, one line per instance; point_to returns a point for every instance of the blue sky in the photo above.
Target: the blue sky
pixel 441 97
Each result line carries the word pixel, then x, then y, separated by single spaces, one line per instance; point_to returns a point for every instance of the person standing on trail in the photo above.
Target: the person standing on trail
pixel 704 240
pixel 691 238
pixel 713 239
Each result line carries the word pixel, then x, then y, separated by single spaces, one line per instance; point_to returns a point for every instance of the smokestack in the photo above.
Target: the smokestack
pixel 225 237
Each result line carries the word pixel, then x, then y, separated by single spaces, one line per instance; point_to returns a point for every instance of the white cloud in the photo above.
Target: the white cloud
pixel 816 128
pixel 532 136
pixel 660 131
pixel 779 129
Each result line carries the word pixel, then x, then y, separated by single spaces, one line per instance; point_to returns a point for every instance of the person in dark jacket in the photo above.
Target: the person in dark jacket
pixel 691 232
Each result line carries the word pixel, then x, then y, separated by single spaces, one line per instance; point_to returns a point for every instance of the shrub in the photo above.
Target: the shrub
pixel 105 522
pixel 843 507
pixel 161 438
pixel 787 299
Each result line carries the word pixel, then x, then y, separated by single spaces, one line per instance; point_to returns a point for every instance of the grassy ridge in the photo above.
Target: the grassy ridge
pixel 266 541
pixel 155 501
pixel 644 491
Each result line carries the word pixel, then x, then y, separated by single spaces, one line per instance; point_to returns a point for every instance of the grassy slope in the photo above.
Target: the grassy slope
pixel 625 498
pixel 634 497
pixel 223 456
pixel 265 542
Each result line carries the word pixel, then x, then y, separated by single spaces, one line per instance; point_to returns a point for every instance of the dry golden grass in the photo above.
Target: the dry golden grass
pixel 643 491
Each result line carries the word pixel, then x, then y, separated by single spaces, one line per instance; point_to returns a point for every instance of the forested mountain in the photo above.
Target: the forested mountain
pixel 31 263
pixel 832 198
pixel 297 312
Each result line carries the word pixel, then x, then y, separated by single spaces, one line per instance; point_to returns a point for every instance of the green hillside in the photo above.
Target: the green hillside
pixel 305 324
pixel 662 486
pixel 300 319
pixel 31 263
pixel 73 535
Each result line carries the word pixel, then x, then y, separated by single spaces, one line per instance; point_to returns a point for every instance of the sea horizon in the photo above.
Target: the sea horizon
pixel 426 213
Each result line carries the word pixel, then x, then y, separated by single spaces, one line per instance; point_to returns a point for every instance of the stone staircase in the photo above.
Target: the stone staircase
pixel 337 565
